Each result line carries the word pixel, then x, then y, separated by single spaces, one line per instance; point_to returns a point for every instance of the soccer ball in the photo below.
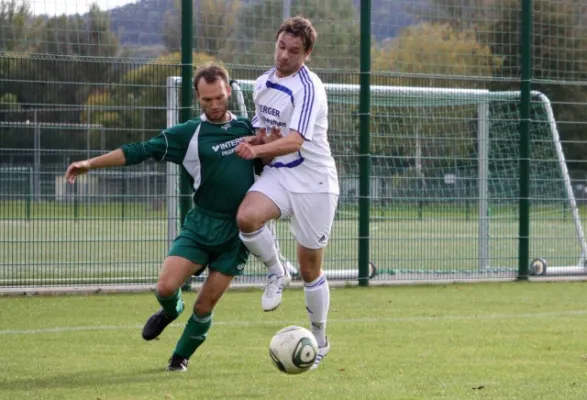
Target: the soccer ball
pixel 293 349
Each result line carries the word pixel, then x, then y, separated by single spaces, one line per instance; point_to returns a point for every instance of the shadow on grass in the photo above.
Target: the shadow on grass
pixel 116 380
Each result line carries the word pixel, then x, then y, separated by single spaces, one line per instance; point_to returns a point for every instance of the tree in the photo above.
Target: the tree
pixel 427 55
pixel 18 26
pixel 69 56
pixel 460 14
pixel 559 59
pixel 137 104
pixel 559 53
pixel 214 23
pixel 85 50
pixel 336 22
pixel 436 51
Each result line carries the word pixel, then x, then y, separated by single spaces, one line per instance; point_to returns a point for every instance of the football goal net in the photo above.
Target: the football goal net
pixel 444 181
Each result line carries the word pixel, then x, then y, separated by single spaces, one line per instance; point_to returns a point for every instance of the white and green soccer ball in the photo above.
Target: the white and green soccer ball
pixel 293 350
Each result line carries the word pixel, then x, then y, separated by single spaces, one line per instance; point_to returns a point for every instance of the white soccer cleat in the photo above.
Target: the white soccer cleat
pixel 273 289
pixel 322 351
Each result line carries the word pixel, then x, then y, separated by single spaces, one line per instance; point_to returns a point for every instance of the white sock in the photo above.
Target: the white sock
pixel 317 295
pixel 261 244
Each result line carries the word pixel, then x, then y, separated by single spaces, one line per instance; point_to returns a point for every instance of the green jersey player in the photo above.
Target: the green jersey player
pixel 209 237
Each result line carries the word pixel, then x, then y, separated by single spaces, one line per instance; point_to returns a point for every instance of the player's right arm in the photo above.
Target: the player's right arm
pixel 169 145
pixel 113 159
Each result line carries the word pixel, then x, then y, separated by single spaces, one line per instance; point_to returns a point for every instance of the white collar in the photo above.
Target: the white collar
pixel 204 118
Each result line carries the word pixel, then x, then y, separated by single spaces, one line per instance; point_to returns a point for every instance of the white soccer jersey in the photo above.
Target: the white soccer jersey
pixel 298 102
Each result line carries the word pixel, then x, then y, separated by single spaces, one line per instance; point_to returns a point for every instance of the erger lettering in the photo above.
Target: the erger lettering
pixel 269 110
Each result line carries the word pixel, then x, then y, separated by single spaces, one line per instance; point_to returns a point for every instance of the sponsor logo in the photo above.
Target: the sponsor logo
pixel 227 148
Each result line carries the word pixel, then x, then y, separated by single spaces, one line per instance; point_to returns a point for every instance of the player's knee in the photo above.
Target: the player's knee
pixel 310 261
pixel 165 288
pixel 309 275
pixel 247 220
pixel 203 306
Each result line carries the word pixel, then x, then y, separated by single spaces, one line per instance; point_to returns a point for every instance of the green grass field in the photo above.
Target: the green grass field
pixel 481 341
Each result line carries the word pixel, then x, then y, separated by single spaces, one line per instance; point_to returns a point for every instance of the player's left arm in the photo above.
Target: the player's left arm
pixel 263 138
pixel 290 143
pixel 308 103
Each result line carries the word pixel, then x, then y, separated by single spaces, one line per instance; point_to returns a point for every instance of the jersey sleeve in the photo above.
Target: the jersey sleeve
pixel 170 145
pixel 307 106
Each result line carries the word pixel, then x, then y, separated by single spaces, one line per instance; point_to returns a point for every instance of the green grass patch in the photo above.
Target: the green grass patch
pixel 487 341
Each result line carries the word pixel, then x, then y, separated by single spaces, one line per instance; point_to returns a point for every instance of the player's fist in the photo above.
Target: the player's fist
pixel 75 169
pixel 246 151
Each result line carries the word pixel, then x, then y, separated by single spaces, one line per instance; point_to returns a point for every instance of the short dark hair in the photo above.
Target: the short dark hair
pixel 299 27
pixel 210 72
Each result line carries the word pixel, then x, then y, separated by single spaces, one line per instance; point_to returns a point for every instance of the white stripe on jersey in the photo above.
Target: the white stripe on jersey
pixel 191 161
pixel 298 102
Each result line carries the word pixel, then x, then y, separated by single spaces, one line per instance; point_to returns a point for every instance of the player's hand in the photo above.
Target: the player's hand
pixel 246 151
pixel 254 140
pixel 274 135
pixel 75 169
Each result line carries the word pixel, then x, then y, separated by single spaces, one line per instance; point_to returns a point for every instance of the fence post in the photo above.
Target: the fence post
pixel 525 115
pixel 187 30
pixel 29 198
pixel 364 143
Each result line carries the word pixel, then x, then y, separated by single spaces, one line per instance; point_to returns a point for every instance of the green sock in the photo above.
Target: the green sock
pixel 193 335
pixel 173 305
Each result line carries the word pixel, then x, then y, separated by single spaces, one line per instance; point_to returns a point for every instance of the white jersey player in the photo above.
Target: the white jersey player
pixel 301 181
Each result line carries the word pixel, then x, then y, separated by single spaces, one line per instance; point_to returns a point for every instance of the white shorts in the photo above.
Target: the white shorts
pixel 311 214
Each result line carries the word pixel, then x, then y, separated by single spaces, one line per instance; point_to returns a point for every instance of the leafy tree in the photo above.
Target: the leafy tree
pixel 18 26
pixel 436 51
pixel 559 53
pixel 137 104
pixel 69 56
pixel 214 24
pixel 426 55
pixel 337 45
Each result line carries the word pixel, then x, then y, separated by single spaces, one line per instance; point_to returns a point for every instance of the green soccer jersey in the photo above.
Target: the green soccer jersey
pixel 220 178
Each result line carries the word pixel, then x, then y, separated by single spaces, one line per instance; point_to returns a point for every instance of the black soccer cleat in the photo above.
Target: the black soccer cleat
pixel 156 324
pixel 177 363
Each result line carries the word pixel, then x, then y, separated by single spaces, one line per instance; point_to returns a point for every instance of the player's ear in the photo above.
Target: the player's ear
pixel 228 90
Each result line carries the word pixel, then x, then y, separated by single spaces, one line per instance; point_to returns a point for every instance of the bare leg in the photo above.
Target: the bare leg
pixel 176 270
pixel 197 327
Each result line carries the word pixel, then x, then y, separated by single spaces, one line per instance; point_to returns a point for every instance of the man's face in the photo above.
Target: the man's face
pixel 289 54
pixel 213 98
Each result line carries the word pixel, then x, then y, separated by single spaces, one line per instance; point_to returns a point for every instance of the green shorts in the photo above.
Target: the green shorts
pixel 212 241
